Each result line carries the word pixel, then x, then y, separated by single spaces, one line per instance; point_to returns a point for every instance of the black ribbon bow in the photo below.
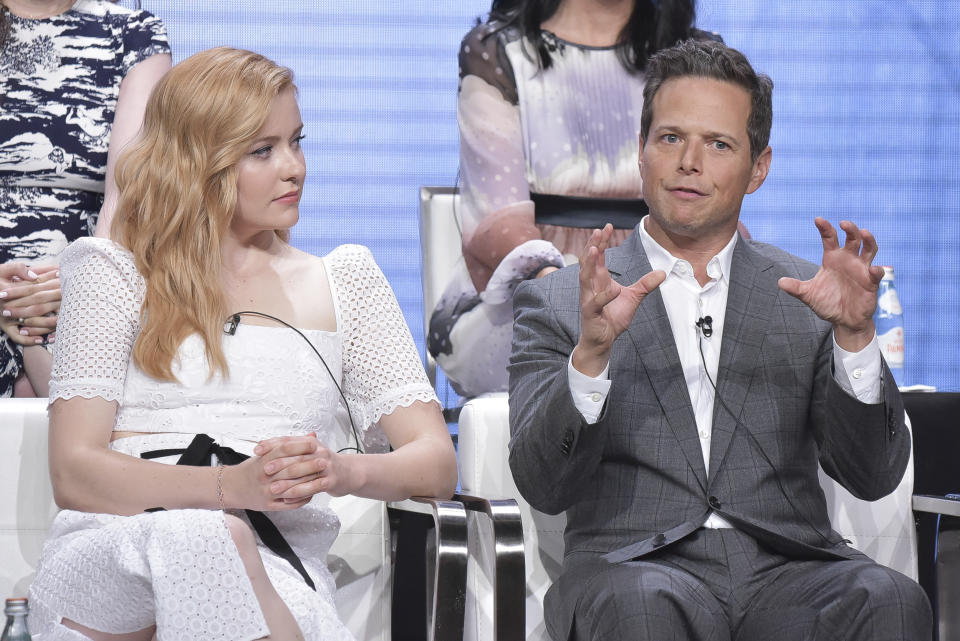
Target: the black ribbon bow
pixel 198 453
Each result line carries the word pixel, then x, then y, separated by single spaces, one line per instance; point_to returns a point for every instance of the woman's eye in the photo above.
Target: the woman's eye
pixel 262 151
pixel 296 141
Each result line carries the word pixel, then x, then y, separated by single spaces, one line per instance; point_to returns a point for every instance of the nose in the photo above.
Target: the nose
pixel 294 166
pixel 691 158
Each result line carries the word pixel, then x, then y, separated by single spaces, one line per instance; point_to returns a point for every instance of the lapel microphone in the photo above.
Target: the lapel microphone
pixel 705 324
pixel 230 329
pixel 230 326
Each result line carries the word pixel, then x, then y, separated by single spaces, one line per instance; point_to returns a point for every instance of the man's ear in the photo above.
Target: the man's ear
pixel 761 167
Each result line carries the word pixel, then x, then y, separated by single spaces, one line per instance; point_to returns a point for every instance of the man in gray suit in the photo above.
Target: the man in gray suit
pixel 673 395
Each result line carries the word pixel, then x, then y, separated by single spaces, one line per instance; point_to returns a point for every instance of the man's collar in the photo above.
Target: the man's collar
pixel 718 267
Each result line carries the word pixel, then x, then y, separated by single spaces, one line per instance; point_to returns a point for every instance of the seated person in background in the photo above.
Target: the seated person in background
pixel 74 79
pixel 674 395
pixel 158 362
pixel 549 110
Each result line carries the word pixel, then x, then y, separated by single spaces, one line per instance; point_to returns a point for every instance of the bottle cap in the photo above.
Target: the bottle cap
pixel 15 606
pixel 887 272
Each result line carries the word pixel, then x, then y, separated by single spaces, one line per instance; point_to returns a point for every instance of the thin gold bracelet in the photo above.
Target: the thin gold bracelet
pixel 220 486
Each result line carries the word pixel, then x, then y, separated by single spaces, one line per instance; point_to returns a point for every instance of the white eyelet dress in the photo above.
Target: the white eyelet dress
pixel 180 568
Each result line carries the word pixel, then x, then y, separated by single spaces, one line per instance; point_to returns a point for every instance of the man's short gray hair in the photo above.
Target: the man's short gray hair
pixel 710 59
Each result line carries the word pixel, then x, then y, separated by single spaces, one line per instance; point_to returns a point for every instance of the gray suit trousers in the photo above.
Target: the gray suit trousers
pixel 721 585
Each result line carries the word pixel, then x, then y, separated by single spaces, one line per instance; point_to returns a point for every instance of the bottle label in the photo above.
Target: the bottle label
pixel 891 346
pixel 889 303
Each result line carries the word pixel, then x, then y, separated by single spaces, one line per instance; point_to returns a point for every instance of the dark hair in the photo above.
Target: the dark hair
pixel 653 25
pixel 710 59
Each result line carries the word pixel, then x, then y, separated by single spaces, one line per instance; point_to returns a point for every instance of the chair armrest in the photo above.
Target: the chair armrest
pixel 936 504
pixel 449 579
pixel 509 575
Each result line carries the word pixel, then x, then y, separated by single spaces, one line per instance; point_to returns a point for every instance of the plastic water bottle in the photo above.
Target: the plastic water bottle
pixel 16 628
pixel 889 321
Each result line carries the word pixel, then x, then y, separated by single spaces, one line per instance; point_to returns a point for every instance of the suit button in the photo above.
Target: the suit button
pixel 714 502
pixel 659 540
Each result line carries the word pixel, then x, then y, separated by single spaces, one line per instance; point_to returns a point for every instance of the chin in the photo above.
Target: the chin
pixel 287 221
pixel 680 223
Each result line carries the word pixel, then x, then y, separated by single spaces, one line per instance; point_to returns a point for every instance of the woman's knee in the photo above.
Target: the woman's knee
pixel 241 533
pixel 68 630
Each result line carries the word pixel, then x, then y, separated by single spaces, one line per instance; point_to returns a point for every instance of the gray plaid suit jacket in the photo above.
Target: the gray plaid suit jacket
pixel 635 480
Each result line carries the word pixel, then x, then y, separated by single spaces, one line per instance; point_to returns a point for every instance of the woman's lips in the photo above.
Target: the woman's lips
pixel 289 197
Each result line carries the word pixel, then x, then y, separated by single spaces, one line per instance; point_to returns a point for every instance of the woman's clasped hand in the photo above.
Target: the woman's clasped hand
pixel 285 474
pixel 30 300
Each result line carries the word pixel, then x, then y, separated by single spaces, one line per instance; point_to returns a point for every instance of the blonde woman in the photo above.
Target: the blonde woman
pixel 154 365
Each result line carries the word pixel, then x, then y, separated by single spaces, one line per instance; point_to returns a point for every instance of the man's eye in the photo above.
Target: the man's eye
pixel 671 138
pixel 720 145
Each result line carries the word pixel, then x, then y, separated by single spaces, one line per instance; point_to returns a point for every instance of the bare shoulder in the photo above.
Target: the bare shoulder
pixel 304 282
pixel 308 266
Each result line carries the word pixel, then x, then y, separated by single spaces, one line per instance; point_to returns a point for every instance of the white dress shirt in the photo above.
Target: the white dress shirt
pixel 686 301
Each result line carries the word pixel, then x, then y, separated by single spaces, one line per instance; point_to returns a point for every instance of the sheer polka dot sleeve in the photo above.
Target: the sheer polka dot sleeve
pixel 99 320
pixel 493 176
pixel 381 366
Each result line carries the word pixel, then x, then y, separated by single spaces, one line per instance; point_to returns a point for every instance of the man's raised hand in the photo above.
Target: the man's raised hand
pixel 844 290
pixel 606 306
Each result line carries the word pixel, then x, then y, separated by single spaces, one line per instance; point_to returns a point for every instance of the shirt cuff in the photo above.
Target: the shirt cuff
pixel 588 393
pixel 860 373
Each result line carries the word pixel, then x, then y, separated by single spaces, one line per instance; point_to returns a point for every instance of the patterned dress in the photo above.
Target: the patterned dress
pixel 570 130
pixel 59 82
pixel 179 568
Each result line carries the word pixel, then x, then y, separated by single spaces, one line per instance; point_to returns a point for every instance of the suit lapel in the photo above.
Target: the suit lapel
pixel 652 339
pixel 752 294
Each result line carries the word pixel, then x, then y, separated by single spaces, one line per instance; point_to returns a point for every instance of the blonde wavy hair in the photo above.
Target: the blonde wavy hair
pixel 178 193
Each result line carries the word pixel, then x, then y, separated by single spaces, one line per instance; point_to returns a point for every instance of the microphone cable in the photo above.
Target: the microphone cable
pixel 230 328
pixel 702 328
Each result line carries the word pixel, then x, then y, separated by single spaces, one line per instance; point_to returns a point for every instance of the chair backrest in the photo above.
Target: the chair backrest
pixel 882 529
pixel 482 454
pixel 359 558
pixel 440 250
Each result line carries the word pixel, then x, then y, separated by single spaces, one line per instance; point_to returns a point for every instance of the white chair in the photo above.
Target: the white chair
pixel 883 529
pixel 484 434
pixel 493 523
pixel 440 251
pixel 360 559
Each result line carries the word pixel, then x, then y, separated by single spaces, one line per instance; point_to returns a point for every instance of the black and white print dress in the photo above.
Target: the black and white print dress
pixel 59 81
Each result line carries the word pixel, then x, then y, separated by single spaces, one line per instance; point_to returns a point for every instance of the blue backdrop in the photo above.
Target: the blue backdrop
pixel 866 127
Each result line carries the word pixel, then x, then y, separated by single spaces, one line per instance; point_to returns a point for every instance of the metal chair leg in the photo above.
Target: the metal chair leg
pixel 449 565
pixel 509 575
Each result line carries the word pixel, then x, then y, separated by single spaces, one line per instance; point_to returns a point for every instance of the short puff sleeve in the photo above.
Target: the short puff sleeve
pixel 99 321
pixel 381 366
